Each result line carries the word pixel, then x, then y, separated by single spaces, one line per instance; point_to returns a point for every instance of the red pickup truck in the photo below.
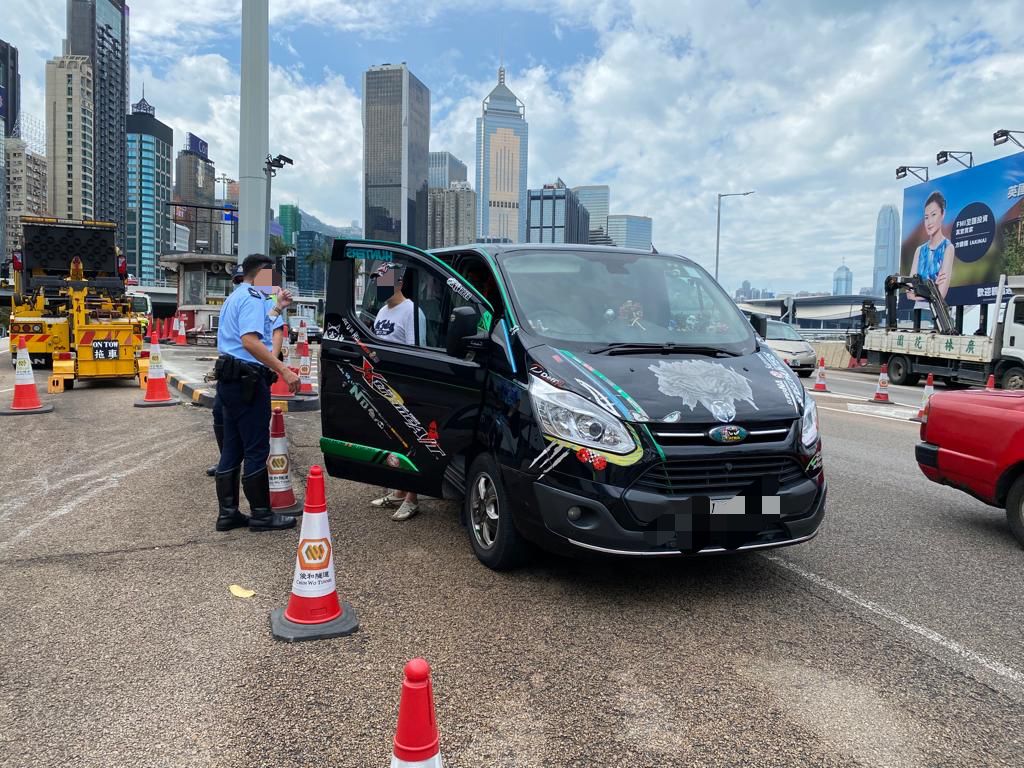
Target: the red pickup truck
pixel 974 440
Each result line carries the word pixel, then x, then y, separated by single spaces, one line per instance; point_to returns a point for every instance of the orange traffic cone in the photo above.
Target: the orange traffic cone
pixel 819 377
pixel 26 396
pixel 929 390
pixel 157 393
pixel 180 340
pixel 416 738
pixel 279 390
pixel 282 496
pixel 991 383
pixel 305 378
pixel 882 390
pixel 314 611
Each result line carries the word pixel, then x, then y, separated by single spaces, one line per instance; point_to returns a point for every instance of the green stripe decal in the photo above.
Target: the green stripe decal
pixel 641 414
pixel 365 453
pixel 655 442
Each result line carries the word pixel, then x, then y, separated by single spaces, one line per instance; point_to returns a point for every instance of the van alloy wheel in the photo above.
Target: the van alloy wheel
pixel 484 511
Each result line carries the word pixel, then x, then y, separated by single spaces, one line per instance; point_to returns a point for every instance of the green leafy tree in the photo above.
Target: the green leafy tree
pixel 1013 249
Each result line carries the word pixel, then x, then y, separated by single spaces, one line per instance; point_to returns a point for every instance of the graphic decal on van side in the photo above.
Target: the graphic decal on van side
pixel 712 385
pixel 425 437
pixel 364 400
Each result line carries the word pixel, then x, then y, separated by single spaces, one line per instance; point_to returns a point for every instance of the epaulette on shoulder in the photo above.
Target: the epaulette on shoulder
pixel 255 294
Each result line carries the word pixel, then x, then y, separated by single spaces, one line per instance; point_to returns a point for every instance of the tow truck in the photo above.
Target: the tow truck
pixel 70 305
pixel 954 358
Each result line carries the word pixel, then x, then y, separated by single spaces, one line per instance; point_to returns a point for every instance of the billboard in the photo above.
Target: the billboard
pixel 194 144
pixel 964 230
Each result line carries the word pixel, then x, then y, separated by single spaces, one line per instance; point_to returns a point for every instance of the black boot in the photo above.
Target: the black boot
pixel 228 516
pixel 257 490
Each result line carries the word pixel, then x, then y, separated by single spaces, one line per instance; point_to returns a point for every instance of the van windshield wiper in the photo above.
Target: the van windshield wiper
pixel 639 348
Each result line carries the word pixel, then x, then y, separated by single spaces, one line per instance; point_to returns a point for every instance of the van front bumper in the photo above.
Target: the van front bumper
pixel 679 527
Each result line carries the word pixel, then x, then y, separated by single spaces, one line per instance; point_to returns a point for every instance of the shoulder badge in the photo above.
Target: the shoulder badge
pixel 255 294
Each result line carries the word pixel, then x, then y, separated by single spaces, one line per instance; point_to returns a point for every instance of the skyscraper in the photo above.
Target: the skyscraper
pixel 887 247
pixel 452 215
pixel 628 231
pixel 98 29
pixel 291 222
pixel 595 199
pixel 25 193
pixel 10 87
pixel 69 138
pixel 195 179
pixel 502 142
pixel 147 218
pixel 396 146
pixel 310 272
pixel 556 215
pixel 444 169
pixel 842 281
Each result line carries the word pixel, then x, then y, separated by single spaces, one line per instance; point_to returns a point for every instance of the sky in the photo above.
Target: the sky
pixel 811 103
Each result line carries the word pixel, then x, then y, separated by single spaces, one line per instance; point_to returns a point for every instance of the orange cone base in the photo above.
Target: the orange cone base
pixel 155 403
pixel 285 503
pixel 290 632
pixel 43 408
pixel 883 399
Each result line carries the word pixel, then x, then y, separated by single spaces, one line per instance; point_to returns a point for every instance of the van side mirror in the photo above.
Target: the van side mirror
pixel 461 326
pixel 760 325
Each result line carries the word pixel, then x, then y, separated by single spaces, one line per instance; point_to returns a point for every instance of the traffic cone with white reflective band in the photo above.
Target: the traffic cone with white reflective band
pixel 305 376
pixel 157 393
pixel 991 383
pixel 882 389
pixel 416 739
pixel 314 610
pixel 180 340
pixel 279 469
pixel 303 334
pixel 819 377
pixel 26 396
pixel 929 390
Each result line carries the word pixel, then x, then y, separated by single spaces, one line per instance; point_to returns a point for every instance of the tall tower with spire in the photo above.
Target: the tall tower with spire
pixel 501 159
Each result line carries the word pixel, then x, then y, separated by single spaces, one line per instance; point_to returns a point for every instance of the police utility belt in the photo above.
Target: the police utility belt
pixel 228 368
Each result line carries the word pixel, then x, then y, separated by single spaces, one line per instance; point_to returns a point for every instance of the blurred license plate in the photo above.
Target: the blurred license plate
pixel 104 350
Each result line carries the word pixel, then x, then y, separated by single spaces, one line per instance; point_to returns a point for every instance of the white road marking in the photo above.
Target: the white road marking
pixel 869 415
pixel 9 389
pixel 996 667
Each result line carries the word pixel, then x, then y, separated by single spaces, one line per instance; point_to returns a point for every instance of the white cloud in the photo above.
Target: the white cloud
pixel 811 104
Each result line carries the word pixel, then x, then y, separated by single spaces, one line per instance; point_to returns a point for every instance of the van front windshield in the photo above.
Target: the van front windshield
pixel 599 298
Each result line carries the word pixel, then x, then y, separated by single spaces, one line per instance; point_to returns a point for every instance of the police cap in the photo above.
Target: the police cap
pixel 254 260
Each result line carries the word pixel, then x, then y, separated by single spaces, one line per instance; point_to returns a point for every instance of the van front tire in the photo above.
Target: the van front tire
pixel 493 535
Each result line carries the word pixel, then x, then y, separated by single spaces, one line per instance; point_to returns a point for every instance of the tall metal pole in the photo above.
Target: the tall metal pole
pixel 269 171
pixel 718 234
pixel 254 129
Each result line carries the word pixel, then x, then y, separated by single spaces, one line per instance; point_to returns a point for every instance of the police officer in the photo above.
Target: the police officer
pixel 245 370
pixel 275 348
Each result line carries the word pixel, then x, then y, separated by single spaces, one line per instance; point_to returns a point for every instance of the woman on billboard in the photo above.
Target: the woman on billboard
pixel 934 258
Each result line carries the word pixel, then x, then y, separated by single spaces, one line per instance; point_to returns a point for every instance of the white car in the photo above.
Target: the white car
pixel 791 347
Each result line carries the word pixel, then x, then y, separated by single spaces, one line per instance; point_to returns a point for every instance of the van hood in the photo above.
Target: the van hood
pixel 676 387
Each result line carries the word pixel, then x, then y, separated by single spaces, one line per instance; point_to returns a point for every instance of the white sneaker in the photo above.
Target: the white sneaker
pixel 407 510
pixel 388 500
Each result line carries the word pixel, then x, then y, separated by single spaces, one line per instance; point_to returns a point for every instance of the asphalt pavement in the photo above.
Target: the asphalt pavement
pixel 892 639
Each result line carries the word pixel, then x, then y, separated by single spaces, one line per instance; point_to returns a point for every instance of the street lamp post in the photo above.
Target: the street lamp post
pixel 270 168
pixel 718 226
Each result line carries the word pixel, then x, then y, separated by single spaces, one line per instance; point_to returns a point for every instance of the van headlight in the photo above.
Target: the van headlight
pixel 569 417
pixel 809 423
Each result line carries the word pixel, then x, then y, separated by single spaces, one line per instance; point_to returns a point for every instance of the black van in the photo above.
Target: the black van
pixel 583 398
